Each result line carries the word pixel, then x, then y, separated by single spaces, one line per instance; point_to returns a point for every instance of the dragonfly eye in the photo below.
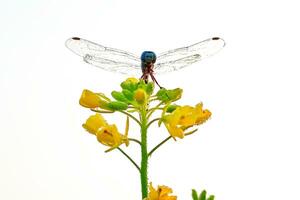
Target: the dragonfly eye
pixel 148 56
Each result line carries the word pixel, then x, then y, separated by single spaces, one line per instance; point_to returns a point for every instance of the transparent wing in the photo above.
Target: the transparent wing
pixel 178 58
pixel 109 59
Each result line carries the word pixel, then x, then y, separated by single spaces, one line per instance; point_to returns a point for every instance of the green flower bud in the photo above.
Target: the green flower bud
pixel 202 195
pixel 150 88
pixel 171 108
pixel 117 105
pixel 142 84
pixel 119 96
pixel 169 95
pixel 162 94
pixel 194 194
pixel 130 84
pixel 211 197
pixel 128 94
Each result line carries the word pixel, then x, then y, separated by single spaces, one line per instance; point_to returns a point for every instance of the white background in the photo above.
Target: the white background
pixel 248 150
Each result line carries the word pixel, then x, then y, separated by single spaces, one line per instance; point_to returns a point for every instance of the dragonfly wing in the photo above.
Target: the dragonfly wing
pixel 178 58
pixel 107 58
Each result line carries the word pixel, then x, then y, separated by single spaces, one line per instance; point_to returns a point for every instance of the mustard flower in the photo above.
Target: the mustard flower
pixel 161 193
pixel 110 136
pixel 184 117
pixel 94 122
pixel 106 134
pixel 90 99
pixel 202 115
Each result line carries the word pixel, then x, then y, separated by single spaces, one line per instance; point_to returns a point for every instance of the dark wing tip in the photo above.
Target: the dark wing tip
pixel 219 39
pixel 75 38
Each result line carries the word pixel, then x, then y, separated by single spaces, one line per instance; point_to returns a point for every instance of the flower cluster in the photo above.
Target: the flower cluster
pixel 138 102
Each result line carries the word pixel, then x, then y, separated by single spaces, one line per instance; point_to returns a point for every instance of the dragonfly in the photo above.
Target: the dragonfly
pixel 148 64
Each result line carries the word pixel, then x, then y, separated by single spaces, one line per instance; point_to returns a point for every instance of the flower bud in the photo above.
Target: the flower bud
pixel 89 99
pixel 150 88
pixel 119 96
pixel 169 95
pixel 128 94
pixel 171 108
pixel 117 105
pixel 140 96
pixel 130 84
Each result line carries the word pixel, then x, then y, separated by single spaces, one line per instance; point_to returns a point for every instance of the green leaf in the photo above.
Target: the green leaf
pixel 117 105
pixel 202 195
pixel 119 96
pixel 194 194
pixel 211 197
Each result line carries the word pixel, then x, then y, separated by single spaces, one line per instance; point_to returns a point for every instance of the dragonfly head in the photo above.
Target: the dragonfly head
pixel 148 57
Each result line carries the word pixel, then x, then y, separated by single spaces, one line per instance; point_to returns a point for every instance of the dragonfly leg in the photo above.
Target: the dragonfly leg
pixel 145 77
pixel 153 78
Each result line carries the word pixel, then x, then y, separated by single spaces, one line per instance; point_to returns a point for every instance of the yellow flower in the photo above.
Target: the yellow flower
pixel 202 115
pixel 90 99
pixel 110 136
pixel 184 117
pixel 175 131
pixel 106 134
pixel 94 122
pixel 162 193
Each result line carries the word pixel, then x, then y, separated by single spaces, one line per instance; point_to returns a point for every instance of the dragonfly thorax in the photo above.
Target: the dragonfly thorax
pixel 148 57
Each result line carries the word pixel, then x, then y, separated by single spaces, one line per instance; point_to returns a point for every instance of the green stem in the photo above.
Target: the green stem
pixel 156 119
pixel 101 111
pixel 155 108
pixel 131 116
pixel 165 140
pixel 135 140
pixel 157 146
pixel 129 158
pixel 151 111
pixel 144 154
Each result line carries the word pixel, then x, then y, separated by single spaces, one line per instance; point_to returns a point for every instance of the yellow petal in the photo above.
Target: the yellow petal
pixel 203 117
pixel 89 99
pixel 153 194
pixel 174 131
pixel 109 136
pixel 94 122
pixel 162 193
